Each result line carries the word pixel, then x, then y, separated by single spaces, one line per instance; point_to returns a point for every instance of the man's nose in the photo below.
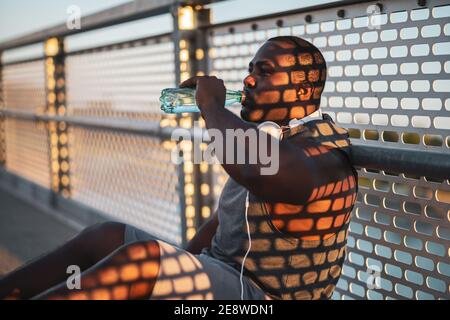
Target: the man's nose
pixel 249 81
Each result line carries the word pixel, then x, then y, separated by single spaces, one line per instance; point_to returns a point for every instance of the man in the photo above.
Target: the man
pixel 279 236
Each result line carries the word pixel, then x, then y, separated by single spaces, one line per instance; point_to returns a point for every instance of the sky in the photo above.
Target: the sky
pixel 21 17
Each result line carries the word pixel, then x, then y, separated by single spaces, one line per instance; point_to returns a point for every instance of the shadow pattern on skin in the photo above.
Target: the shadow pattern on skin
pixel 142 270
pixel 298 251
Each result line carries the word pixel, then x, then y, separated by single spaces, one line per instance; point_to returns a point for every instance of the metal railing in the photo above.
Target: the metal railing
pixel 87 125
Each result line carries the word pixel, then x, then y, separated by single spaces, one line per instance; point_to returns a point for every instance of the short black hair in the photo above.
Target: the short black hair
pixel 302 46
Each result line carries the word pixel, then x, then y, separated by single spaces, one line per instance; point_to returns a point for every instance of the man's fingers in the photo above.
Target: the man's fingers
pixel 189 83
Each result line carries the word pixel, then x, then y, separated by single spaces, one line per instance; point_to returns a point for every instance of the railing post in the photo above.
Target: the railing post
pixel 190 47
pixel 56 105
pixel 185 190
pixel 201 58
pixel 2 119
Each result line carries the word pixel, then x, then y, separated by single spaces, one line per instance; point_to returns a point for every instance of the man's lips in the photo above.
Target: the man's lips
pixel 247 97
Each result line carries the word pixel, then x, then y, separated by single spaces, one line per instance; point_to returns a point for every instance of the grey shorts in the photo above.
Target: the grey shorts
pixel 183 275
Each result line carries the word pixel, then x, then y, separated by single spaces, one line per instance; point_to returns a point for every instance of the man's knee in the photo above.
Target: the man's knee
pixel 104 230
pixel 102 238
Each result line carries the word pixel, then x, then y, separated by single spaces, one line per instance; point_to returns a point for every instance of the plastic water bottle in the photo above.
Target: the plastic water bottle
pixel 178 100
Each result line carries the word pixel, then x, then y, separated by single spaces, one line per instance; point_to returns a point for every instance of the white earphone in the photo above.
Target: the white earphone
pixel 247 204
pixel 275 131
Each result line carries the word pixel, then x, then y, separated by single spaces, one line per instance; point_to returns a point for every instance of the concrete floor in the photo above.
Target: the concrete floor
pixel 27 232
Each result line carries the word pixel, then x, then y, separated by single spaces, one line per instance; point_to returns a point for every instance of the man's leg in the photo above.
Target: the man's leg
pixel 129 273
pixel 84 250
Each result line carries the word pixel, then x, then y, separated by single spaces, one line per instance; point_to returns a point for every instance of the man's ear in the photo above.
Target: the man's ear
pixel 305 90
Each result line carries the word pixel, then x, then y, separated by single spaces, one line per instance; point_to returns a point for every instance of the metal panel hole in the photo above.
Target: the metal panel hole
pixel 373 232
pixel 414 277
pixel 386 285
pixel 403 257
pixel 349 271
pixel 435 248
pixel 443 233
pixel 390 136
pixel 412 208
pixel 374 295
pixel 424 263
pixel 354 133
pixel 402 189
pixel 391 204
pixel 392 237
pixel 413 243
pixel 433 140
pixel 357 289
pixel 444 269
pixel 436 284
pixel 420 295
pixel 403 290
pixel 393 270
pixel 434 180
pixel 402 223
pixel 423 193
pixel 383 251
pixel 364 182
pixel 381 185
pixel 364 213
pixel 356 258
pixel 371 135
pixel 423 228
pixel 443 196
pixel 435 212
pixel 356 227
pixel 382 218
pixel 372 200
pixel 410 138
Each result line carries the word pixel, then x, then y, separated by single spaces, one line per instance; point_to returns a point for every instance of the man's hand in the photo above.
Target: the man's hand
pixel 211 91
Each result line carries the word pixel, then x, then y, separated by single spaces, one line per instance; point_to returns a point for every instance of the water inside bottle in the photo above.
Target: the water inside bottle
pixel 178 100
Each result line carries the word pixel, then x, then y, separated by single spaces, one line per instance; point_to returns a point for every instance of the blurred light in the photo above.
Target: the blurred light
pixel 204 167
pixel 188 167
pixel 184 76
pixel 51 47
pixel 204 189
pixel 206 212
pixel 65 180
pixel 186 18
pixel 189 189
pixel 199 54
pixel 190 233
pixel 184 55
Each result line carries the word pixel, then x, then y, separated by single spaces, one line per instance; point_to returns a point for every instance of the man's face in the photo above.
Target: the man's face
pixel 280 86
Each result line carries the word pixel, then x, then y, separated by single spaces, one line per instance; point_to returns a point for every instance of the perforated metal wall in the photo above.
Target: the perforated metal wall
pixel 129 177
pixel 26 142
pixel 121 80
pixel 388 82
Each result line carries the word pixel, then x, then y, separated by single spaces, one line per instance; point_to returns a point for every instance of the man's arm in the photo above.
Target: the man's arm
pixel 298 174
pixel 204 235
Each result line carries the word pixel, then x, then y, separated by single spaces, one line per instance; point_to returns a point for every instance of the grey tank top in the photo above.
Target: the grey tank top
pixel 294 265
pixel 230 235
